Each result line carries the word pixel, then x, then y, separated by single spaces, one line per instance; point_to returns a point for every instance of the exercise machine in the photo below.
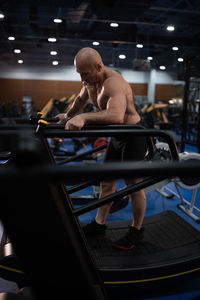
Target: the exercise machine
pixel 46 234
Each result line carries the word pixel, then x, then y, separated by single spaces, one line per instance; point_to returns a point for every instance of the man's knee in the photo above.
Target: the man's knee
pixel 139 195
pixel 132 181
pixel 107 187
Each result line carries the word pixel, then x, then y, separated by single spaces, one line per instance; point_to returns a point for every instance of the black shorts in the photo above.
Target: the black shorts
pixel 133 148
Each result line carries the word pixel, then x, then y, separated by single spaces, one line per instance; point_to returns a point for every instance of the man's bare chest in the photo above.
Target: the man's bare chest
pixel 97 96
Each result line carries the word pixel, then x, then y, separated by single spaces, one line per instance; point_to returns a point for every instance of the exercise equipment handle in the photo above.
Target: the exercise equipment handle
pixel 120 130
pixel 102 171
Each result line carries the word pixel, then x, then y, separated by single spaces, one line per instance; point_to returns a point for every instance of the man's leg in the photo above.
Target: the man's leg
pixel 97 227
pixel 106 188
pixel 136 231
pixel 138 205
pixel 138 208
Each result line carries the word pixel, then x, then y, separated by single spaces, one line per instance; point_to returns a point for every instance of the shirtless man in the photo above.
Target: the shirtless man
pixel 113 97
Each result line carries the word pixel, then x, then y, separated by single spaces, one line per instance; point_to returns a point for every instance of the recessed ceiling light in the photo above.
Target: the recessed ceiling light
pixel 139 46
pixel 150 58
pixel 113 24
pixel 175 48
pixel 162 67
pixel 122 56
pixel 170 28
pixel 53 52
pixel 57 20
pixel 20 61
pixel 11 38
pixel 2 16
pixel 180 59
pixel 55 62
pixel 52 39
pixel 17 51
pixel 95 43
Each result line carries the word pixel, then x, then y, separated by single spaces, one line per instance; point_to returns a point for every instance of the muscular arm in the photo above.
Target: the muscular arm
pixel 114 112
pixel 79 102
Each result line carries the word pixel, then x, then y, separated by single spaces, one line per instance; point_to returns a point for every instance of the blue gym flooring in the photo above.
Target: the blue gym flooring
pixel 155 203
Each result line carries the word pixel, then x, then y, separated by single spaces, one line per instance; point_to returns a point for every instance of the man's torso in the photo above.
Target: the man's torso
pixel 99 97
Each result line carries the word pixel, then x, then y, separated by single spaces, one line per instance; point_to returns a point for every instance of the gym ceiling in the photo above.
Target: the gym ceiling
pixel 139 32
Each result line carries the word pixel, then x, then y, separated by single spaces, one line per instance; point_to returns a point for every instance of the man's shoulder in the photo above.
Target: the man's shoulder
pixel 114 81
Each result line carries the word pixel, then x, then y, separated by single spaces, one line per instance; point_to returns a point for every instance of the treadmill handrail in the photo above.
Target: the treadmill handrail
pixel 115 132
pixel 118 194
pixel 104 170
pixel 108 130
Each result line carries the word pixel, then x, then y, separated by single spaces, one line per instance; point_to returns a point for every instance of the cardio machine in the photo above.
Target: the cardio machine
pixel 46 222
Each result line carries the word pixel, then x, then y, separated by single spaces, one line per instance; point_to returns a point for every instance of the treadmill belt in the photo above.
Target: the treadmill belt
pixel 168 240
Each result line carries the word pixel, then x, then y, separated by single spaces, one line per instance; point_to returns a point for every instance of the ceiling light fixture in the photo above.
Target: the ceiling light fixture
pixel 139 46
pixel 122 56
pixel 162 67
pixel 2 16
pixel 53 52
pixel 95 43
pixel 150 58
pixel 20 61
pixel 17 51
pixel 170 28
pixel 57 20
pixel 180 59
pixel 113 24
pixel 175 48
pixel 11 38
pixel 55 62
pixel 52 39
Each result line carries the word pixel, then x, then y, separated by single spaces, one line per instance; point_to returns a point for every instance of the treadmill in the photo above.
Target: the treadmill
pixel 168 255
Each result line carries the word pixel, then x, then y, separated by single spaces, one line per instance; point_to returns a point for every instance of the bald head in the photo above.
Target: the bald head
pixel 89 65
pixel 87 56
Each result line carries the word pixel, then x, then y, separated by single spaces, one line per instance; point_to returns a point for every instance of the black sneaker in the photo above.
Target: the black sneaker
pixel 94 229
pixel 132 238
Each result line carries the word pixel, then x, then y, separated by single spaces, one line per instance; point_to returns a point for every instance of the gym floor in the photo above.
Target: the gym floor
pixel 155 203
